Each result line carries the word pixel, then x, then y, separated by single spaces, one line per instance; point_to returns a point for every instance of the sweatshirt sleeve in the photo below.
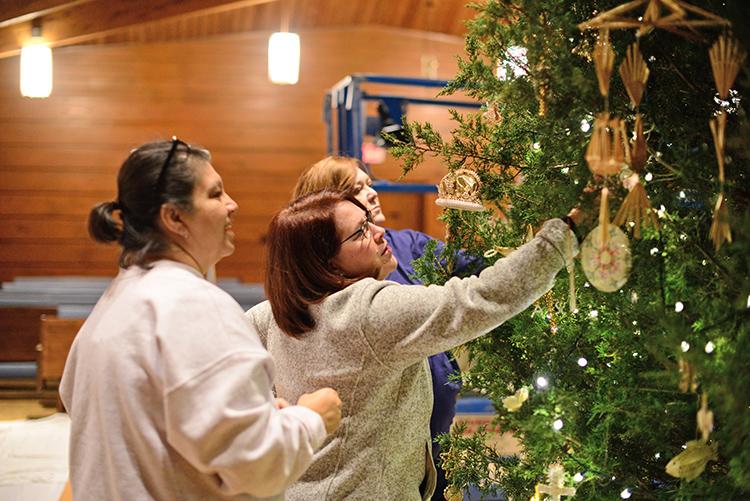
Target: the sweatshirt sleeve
pixel 422 321
pixel 220 414
pixel 224 422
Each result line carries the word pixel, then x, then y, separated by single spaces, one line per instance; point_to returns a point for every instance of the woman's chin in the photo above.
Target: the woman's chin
pixel 388 268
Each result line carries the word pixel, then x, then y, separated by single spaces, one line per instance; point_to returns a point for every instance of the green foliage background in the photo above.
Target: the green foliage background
pixel 624 417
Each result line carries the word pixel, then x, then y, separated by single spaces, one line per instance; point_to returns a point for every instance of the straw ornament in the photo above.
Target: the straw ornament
pixel 705 418
pixel 688 377
pixel 674 16
pixel 634 73
pixel 556 486
pixel 605 153
pixel 604 60
pixel 604 217
pixel 726 58
pixel 720 229
pixel 636 208
pixel 492 116
pixel 638 149
pixel 718 126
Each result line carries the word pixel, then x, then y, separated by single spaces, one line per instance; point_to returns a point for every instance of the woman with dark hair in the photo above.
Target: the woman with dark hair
pixel 167 387
pixel 332 320
pixel 351 175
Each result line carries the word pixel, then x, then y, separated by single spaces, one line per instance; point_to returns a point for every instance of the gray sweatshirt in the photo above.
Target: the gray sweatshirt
pixel 370 343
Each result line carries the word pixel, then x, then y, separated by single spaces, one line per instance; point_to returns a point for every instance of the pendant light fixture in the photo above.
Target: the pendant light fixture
pixel 36 65
pixel 284 52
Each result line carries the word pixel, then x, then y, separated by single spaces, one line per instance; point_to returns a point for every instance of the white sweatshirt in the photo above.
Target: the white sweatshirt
pixel 169 393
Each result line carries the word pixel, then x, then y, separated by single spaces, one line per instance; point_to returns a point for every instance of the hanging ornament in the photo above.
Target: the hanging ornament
pixel 705 418
pixel 605 154
pixel 726 58
pixel 636 209
pixel 541 95
pixel 688 377
pixel 605 253
pixel 550 300
pixel 515 401
pixel 556 487
pixel 460 190
pixel 670 15
pixel 492 116
pixel 638 149
pixel 720 229
pixel 634 74
pixel 453 493
pixel 691 462
pixel 604 60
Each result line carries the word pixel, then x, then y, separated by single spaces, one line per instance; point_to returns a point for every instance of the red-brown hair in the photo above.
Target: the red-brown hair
pixel 302 241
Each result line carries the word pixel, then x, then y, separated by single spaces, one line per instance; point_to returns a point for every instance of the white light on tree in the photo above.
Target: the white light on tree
pixel 585 126
pixel 648 176
pixel 36 69
pixel 710 346
pixel 625 494
pixel 558 424
pixel 684 346
pixel 583 362
pixel 678 306
pixel 578 477
pixel 283 58
pixel 542 382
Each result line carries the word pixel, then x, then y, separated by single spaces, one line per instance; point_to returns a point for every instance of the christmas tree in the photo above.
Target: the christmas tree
pixel 609 385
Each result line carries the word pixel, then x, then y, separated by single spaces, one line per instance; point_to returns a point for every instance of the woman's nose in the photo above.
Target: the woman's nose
pixel 372 195
pixel 377 232
pixel 232 206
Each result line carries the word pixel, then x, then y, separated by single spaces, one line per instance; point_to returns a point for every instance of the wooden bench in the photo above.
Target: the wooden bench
pixel 55 339
pixel 19 336
pixel 19 332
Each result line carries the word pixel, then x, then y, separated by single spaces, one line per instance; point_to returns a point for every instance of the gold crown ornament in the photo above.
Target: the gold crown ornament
pixel 459 189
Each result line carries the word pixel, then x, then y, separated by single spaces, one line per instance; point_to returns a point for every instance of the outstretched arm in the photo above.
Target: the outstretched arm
pixel 406 323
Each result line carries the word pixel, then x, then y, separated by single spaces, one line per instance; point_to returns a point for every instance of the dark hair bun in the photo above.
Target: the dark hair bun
pixel 103 227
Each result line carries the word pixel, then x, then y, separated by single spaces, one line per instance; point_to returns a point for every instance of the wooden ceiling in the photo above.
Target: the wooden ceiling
pixel 76 22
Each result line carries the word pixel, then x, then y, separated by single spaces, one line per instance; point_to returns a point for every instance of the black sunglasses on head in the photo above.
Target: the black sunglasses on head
pixel 163 172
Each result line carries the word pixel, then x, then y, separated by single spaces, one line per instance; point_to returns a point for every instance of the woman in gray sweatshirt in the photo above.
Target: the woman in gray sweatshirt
pixel 331 320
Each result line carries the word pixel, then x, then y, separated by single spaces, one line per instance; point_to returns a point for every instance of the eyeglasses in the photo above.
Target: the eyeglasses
pixel 163 173
pixel 363 230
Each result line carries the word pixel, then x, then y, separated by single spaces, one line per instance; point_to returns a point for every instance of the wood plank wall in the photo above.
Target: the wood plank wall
pixel 59 156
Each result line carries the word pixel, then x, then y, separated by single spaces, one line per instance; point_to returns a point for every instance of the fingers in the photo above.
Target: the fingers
pixel 325 402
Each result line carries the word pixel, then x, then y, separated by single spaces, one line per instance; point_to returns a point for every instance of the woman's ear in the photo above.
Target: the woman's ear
pixel 170 218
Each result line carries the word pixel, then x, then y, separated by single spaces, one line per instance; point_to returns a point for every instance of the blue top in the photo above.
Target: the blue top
pixel 408 245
